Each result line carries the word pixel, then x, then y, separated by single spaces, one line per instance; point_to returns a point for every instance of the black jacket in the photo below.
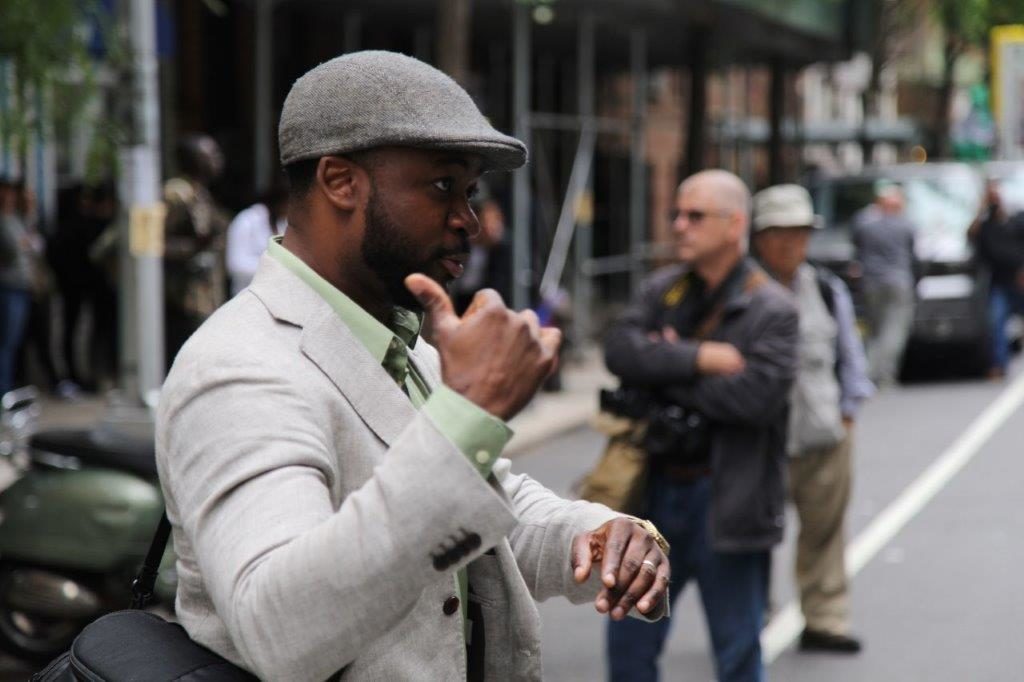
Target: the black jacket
pixel 749 409
pixel 1000 246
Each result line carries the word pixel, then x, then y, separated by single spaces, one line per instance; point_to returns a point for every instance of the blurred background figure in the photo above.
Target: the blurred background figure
pixel 884 241
pixel 16 255
pixel 490 261
pixel 36 340
pixel 831 382
pixel 102 254
pixel 194 273
pixel 250 231
pixel 999 246
pixel 85 214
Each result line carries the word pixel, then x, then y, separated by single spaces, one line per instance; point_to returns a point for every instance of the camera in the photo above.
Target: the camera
pixel 674 433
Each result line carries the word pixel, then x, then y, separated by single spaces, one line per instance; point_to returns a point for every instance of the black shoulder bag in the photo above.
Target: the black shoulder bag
pixel 133 645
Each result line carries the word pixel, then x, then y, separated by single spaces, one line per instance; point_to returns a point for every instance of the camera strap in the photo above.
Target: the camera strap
pixel 145 582
pixel 699 319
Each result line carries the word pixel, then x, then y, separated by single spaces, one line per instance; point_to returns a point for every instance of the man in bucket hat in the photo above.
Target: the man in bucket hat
pixel 831 382
pixel 339 503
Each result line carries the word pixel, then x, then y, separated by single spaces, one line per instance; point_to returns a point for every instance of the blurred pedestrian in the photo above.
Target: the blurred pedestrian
pixel 104 260
pixel 884 240
pixel 194 243
pixel 490 261
pixel 999 246
pixel 250 232
pixel 16 253
pixel 36 341
pixel 831 382
pixel 85 212
pixel 716 338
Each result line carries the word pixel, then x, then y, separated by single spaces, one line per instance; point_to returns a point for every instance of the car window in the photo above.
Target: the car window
pixel 941 204
pixel 1011 190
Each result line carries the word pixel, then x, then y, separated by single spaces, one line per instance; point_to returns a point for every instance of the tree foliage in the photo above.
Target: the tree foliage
pixel 46 47
pixel 966 24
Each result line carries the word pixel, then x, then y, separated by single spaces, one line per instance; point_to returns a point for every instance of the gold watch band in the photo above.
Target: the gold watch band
pixel 653 531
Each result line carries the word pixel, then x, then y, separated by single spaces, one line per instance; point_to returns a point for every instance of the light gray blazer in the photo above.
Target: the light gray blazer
pixel 309 499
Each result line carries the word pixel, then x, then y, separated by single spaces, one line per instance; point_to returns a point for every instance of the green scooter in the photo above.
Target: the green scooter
pixel 74 528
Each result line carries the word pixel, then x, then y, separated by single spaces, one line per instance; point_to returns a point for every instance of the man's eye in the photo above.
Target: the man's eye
pixel 444 184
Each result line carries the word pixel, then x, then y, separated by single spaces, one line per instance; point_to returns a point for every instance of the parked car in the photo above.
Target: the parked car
pixel 942 199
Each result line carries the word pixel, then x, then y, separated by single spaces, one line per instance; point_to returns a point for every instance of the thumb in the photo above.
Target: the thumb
pixel 434 300
pixel 582 558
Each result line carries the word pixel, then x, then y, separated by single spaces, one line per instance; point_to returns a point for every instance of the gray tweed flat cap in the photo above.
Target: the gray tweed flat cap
pixel 372 99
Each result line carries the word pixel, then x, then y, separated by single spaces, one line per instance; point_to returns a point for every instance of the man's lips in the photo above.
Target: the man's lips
pixel 455 263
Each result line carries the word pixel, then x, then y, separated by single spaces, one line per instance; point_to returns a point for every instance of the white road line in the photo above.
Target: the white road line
pixel 785 627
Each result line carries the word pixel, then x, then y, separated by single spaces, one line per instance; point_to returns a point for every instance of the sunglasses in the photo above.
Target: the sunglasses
pixel 694 216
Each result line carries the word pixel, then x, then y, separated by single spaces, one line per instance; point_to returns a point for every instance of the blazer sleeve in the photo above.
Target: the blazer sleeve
pixel 542 540
pixel 300 585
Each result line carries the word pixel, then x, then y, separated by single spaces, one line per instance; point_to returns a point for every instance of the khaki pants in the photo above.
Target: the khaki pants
pixel 820 489
pixel 890 313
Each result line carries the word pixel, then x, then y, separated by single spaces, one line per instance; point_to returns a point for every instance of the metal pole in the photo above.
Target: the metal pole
pixel 263 125
pixel 522 274
pixel 583 210
pixel 351 41
pixel 745 142
pixel 776 112
pixel 637 157
pixel 141 161
pixel 572 205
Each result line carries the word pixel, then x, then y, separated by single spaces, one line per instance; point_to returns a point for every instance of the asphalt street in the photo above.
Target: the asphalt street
pixel 935 601
pixel 936 598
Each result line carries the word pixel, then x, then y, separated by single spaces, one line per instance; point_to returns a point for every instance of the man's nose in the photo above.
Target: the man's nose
pixel 462 217
pixel 680 223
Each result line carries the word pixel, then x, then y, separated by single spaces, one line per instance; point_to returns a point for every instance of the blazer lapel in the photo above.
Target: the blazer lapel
pixel 332 347
pixel 370 390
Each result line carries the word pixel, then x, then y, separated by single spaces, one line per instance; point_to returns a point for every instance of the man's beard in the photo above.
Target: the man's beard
pixel 392 257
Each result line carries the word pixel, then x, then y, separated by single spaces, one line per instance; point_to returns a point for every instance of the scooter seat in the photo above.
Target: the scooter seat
pixel 124 452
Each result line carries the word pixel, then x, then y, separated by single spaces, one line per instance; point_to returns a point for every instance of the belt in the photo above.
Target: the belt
pixel 680 473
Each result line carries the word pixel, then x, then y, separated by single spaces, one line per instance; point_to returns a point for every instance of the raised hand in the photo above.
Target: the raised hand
pixel 493 356
pixel 715 358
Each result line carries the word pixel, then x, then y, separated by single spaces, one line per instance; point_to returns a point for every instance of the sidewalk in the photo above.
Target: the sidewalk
pixel 548 415
pixel 551 414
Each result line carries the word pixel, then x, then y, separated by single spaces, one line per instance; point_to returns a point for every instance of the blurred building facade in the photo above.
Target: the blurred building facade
pixel 617 99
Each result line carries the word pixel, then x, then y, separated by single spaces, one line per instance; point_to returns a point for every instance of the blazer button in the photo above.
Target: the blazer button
pixel 451 605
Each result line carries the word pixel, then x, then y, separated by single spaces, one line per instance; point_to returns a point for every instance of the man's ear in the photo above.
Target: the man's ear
pixel 738 226
pixel 344 183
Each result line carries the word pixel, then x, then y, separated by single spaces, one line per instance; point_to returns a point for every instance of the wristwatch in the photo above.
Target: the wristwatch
pixel 653 531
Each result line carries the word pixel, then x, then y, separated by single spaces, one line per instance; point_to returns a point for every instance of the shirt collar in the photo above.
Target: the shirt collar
pixel 376 337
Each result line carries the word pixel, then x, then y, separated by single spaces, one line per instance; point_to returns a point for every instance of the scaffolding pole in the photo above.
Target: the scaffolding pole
pixel 141 164
pixel 583 204
pixel 263 95
pixel 522 274
pixel 637 157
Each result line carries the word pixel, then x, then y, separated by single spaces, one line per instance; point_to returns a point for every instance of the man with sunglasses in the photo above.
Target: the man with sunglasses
pixel 715 337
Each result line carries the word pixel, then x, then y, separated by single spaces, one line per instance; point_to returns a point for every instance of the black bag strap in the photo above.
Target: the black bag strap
pixel 145 581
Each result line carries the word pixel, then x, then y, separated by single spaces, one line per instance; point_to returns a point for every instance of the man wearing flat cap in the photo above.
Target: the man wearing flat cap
pixel 831 383
pixel 338 500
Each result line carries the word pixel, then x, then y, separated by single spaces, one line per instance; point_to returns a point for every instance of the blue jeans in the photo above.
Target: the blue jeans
pixel 1002 302
pixel 732 590
pixel 14 307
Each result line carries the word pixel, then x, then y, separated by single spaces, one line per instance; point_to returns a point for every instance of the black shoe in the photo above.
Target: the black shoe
pixel 816 640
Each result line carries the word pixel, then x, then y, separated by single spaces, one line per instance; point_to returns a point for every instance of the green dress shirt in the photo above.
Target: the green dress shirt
pixel 479 435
